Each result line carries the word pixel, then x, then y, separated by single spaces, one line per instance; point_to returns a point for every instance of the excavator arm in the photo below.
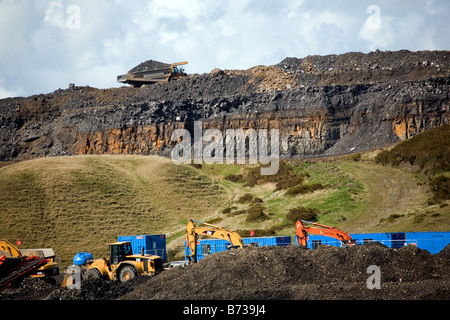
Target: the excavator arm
pixel 193 232
pixel 323 230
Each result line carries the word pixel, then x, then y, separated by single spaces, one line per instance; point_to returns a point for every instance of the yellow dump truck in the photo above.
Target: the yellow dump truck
pixel 139 78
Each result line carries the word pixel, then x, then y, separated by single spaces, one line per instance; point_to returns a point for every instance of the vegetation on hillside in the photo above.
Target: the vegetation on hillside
pixel 82 203
pixel 429 151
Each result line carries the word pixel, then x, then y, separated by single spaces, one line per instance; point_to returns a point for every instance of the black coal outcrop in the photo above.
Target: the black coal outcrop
pixel 322 105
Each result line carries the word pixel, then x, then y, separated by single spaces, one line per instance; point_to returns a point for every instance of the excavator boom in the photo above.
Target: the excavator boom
pixel 327 231
pixel 193 231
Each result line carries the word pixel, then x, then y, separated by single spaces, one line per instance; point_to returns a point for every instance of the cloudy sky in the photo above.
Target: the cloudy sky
pixel 47 44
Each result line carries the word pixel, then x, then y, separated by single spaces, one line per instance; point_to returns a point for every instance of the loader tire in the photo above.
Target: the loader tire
pixel 92 274
pixel 127 273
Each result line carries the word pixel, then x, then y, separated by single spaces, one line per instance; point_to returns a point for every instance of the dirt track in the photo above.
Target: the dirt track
pixel 276 273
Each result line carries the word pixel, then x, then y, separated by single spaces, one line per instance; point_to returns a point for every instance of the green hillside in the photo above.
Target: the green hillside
pixel 81 203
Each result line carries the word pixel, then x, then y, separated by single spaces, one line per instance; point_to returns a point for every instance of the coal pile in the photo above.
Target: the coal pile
pixel 28 289
pixel 149 65
pixel 374 67
pixel 291 273
pixel 96 289
pixel 274 273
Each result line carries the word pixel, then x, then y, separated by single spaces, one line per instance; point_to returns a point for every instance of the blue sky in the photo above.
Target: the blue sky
pixel 47 44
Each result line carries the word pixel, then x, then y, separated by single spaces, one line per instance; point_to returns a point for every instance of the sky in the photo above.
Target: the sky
pixel 48 44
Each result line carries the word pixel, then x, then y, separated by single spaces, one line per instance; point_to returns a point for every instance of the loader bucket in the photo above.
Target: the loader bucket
pixel 72 278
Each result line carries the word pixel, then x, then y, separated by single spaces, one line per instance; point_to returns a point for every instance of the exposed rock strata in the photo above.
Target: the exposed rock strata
pixel 321 106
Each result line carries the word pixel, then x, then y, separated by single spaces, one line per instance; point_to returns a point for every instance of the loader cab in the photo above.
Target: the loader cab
pixel 119 251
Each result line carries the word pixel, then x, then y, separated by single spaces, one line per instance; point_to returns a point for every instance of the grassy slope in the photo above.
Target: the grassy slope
pixel 81 203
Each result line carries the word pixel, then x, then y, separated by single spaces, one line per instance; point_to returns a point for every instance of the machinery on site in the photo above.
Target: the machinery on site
pixel 16 264
pixel 121 265
pixel 193 232
pixel 320 229
pixel 139 78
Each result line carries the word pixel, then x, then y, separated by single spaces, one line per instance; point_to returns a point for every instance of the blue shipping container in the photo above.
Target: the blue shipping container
pixel 210 246
pixel 433 242
pixel 150 244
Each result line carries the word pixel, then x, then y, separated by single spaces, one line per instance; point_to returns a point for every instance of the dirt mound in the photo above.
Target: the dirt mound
pixel 298 273
pixel 96 289
pixel 28 289
pixel 274 273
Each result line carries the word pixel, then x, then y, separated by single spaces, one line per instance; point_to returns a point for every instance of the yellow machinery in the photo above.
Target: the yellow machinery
pixel 16 264
pixel 51 268
pixel 139 78
pixel 193 232
pixel 121 265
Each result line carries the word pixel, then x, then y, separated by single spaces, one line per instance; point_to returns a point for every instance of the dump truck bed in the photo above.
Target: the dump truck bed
pixel 151 76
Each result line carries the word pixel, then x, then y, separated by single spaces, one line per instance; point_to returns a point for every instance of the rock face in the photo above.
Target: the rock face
pixel 321 105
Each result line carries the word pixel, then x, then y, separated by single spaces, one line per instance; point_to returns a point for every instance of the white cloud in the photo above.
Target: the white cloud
pixel 90 42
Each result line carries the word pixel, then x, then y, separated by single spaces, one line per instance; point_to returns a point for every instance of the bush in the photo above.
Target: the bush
pixel 302 213
pixel 355 157
pixel 247 197
pixel 234 178
pixel 391 217
pixel 237 212
pixel 430 148
pixel 440 186
pixel 418 218
pixel 286 177
pixel 256 213
pixel 302 189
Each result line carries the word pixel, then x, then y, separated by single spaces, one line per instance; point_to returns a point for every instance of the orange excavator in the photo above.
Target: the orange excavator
pixel 323 230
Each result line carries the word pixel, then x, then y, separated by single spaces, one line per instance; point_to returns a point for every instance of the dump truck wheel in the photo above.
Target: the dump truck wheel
pixel 92 274
pixel 127 273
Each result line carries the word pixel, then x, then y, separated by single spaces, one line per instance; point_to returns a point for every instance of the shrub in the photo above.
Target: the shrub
pixel 234 178
pixel 286 177
pixel 237 212
pixel 430 148
pixel 257 200
pixel 418 218
pixel 440 186
pixel 355 157
pixel 302 189
pixel 246 197
pixel 391 217
pixel 256 213
pixel 302 213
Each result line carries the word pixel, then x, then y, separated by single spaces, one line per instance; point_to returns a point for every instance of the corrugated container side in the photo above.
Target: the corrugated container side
pixel 151 244
pixel 433 242
pixel 210 246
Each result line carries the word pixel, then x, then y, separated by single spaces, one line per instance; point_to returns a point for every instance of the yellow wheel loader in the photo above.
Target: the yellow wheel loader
pixel 121 265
